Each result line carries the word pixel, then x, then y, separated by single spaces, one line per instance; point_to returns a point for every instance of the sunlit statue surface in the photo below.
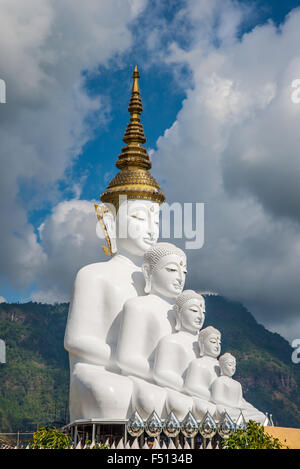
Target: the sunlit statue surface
pixel 227 393
pixel 134 337
pixel 97 388
pixel 176 351
pixel 147 319
pixel 2 351
pixel 203 371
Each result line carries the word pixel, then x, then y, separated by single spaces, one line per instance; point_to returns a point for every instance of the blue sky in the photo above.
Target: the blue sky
pixel 68 76
pixel 162 94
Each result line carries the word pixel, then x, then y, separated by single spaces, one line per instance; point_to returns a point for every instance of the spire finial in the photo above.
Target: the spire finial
pixel 135 131
pixel 135 76
pixel 134 180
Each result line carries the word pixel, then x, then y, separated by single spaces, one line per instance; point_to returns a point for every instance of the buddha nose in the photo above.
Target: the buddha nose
pixel 151 227
pixel 180 276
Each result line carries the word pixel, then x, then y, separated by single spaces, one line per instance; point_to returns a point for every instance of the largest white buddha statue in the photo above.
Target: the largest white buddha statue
pixel 97 388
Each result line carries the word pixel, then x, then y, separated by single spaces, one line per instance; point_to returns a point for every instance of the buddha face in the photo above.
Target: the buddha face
pixel 228 366
pixel 136 227
pixel 212 345
pixel 192 314
pixel 168 278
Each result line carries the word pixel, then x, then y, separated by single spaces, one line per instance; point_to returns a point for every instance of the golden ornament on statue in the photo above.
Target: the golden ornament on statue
pixel 134 180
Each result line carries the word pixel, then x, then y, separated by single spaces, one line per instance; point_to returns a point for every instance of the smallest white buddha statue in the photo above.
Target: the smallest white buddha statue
pixel 203 371
pixel 227 393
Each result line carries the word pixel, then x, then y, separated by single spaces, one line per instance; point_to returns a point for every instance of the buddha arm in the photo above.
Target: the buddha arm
pixel 228 392
pixel 82 338
pixel 217 393
pixel 130 355
pixel 246 405
pixel 165 365
pixel 195 382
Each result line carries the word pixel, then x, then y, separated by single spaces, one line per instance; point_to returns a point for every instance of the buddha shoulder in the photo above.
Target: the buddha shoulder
pixel 117 265
pixel 146 303
pixel 204 364
pixel 137 304
pixel 94 273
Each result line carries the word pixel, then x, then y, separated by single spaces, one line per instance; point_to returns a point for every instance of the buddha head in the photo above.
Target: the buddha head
pixel 209 342
pixel 189 311
pixel 227 364
pixel 164 269
pixel 133 228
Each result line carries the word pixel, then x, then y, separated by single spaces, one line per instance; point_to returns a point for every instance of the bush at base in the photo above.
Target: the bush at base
pixel 254 437
pixel 50 438
pixel 53 438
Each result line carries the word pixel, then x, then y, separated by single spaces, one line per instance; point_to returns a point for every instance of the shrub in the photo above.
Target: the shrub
pixel 253 437
pixel 50 438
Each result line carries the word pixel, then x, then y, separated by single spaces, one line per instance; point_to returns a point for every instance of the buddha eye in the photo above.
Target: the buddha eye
pixel 138 217
pixel 170 269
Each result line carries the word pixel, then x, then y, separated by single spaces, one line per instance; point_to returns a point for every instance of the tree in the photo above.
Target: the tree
pixel 50 438
pixel 253 437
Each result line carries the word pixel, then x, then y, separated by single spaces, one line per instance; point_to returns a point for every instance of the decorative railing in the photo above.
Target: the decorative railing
pixel 169 433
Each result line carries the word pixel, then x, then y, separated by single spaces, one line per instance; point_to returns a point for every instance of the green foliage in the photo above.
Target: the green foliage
pixel 35 380
pixel 53 438
pixel 254 437
pixel 88 444
pixel 50 438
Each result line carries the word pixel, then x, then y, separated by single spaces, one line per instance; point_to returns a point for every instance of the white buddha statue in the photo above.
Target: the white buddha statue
pixel 130 347
pixel 146 319
pixel 203 371
pixel 175 351
pixel 97 389
pixel 227 393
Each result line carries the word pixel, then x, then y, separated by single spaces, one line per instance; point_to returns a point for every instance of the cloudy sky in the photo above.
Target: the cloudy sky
pixel 216 82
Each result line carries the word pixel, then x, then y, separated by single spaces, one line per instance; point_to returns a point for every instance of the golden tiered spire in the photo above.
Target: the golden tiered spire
pixel 134 180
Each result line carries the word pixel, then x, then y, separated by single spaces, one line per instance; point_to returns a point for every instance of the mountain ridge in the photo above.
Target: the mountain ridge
pixel 35 379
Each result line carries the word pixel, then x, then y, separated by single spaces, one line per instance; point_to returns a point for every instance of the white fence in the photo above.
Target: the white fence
pixel 135 445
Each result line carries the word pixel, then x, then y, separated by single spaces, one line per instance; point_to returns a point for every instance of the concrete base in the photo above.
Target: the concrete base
pixel 287 436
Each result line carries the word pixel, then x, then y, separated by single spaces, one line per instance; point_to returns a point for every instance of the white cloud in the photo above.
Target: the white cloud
pixel 69 241
pixel 137 6
pixel 235 145
pixel 44 46
pixel 2 300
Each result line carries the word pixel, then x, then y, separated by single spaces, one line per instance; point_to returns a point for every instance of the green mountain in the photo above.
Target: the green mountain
pixel 35 379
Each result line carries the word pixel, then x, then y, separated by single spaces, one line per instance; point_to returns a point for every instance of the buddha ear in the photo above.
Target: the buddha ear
pixel 147 277
pixel 177 318
pixel 201 347
pixel 109 221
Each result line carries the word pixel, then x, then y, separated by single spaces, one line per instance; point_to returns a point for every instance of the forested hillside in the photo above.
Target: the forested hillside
pixel 34 381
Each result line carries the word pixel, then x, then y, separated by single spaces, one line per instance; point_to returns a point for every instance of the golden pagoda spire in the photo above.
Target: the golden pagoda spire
pixel 134 180
pixel 134 136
